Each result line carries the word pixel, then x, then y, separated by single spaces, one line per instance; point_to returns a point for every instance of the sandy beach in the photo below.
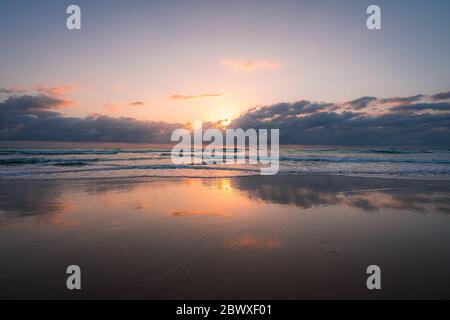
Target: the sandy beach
pixel 279 237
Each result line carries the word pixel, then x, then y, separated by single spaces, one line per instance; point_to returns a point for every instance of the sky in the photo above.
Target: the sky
pixel 182 61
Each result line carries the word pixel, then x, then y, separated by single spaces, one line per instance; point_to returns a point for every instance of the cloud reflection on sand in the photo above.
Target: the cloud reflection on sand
pixel 366 194
pixel 205 197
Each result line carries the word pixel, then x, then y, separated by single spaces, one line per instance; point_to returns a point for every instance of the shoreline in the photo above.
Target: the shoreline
pixel 145 177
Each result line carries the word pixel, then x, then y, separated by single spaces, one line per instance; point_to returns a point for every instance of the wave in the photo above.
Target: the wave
pixel 20 161
pixel 167 152
pixel 60 161
pixel 395 151
pixel 43 152
pixel 362 160
pixel 375 151
pixel 72 164
pixel 85 161
pixel 165 167
pixel 136 167
pixel 390 172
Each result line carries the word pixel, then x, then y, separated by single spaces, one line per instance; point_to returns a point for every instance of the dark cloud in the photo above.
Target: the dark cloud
pixel 27 107
pixel 441 96
pixel 10 91
pixel 329 124
pixel 444 106
pixel 365 102
pixel 35 118
pixel 404 100
pixel 284 110
pixel 360 103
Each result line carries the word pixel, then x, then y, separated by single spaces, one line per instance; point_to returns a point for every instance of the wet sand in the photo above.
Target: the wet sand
pixel 281 237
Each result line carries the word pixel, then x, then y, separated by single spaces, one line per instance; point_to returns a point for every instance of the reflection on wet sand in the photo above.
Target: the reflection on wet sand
pixel 245 237
pixel 46 203
pixel 189 213
pixel 367 194
pixel 249 242
pixel 50 197
pixel 25 199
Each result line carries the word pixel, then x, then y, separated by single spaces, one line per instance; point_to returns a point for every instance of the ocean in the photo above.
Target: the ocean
pixel 79 161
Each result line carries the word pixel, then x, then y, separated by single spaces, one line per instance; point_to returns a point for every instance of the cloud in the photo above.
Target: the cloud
pixel 443 106
pixel 441 96
pixel 306 122
pixel 402 100
pixel 42 94
pixel 239 65
pixel 366 102
pixel 54 91
pixel 28 104
pixel 34 118
pixel 138 103
pixel 116 107
pixel 200 96
pixel 360 103
pixel 10 91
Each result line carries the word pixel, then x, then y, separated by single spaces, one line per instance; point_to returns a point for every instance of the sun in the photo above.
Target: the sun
pixel 225 122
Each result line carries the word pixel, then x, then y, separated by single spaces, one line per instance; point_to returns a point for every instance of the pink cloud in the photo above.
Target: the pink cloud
pixel 240 65
pixel 116 107
pixel 54 91
pixel 138 103
pixel 188 97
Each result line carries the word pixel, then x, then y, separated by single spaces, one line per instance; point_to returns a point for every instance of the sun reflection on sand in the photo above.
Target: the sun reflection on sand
pixel 225 185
